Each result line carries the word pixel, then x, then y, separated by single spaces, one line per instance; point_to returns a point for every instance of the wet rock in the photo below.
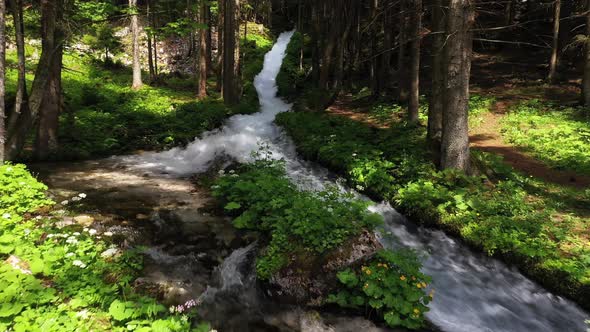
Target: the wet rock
pixel 309 279
pixel 84 220
pixel 18 264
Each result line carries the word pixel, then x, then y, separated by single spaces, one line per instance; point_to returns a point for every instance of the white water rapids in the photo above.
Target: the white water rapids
pixel 473 292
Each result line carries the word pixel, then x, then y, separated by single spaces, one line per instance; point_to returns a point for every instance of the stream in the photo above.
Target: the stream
pixel 473 292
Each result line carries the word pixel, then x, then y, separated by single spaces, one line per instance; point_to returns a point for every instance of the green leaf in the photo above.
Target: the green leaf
pixel 121 310
pixel 232 206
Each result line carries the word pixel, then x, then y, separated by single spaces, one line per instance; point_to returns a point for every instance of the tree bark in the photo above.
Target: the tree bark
pixel 436 105
pixel 414 103
pixel 149 44
pixel 49 45
pixel 402 91
pixel 231 53
pixel 554 62
pixel 220 48
pixel 2 80
pixel 202 93
pixel 455 138
pixel 46 141
pixel 586 78
pixel 137 82
pixel 21 112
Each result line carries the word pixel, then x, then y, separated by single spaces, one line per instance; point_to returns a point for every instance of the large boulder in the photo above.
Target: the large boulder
pixel 308 278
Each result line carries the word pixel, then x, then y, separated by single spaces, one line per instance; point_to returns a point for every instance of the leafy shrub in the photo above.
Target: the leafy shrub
pixel 263 199
pixel 20 192
pixel 392 284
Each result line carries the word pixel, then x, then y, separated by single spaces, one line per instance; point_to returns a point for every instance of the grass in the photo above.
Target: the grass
pixel 559 136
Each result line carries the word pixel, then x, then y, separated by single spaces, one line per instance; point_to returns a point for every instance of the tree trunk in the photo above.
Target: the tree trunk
pixel 2 80
pixel 220 47
pixel 231 53
pixel 586 79
pixel 414 104
pixel 202 93
pixel 436 105
pixel 46 141
pixel 21 112
pixel 375 58
pixel 49 45
pixel 455 139
pixel 553 63
pixel 209 38
pixel 402 91
pixel 137 83
pixel 150 46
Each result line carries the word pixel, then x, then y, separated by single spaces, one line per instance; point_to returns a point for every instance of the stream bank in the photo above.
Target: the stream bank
pixel 192 251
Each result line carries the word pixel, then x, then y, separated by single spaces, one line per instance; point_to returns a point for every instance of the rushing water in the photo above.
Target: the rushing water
pixel 473 292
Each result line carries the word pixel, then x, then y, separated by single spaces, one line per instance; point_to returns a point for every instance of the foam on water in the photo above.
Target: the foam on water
pixel 473 291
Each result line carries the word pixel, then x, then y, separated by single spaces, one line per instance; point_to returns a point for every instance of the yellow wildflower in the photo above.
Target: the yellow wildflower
pixel 419 285
pixel 416 311
pixel 368 272
pixel 402 278
pixel 366 286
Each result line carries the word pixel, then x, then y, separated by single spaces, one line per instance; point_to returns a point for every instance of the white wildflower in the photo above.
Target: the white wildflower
pixel 49 236
pixel 66 202
pixel 330 210
pixel 359 187
pixel 76 199
pixel 70 254
pixel 221 172
pixel 72 240
pixel 27 232
pixel 92 231
pixel 85 229
pixel 76 234
pixel 215 187
pixel 9 169
pixel 108 234
pixel 82 195
pixel 6 216
pixel 232 171
pixel 82 314
pixel 39 217
pixel 354 154
pixel 79 263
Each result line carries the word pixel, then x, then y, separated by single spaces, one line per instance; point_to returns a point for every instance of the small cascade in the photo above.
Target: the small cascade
pixel 474 292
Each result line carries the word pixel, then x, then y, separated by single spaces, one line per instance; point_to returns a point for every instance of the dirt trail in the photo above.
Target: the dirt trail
pixel 487 138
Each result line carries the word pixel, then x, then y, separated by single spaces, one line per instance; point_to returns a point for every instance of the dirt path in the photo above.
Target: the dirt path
pixel 487 137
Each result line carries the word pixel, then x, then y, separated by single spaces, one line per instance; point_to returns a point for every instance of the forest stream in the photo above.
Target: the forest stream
pixel 192 252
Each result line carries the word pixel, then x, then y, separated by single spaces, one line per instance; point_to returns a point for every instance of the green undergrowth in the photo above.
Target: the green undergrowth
pixel 67 278
pixel 557 135
pixel 294 222
pixel 391 284
pixel 104 116
pixel 503 213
